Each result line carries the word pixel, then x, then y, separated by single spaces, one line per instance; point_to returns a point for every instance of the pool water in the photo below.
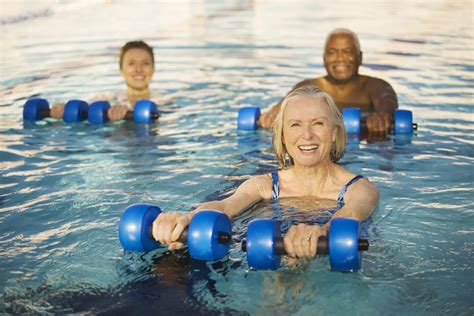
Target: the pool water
pixel 63 187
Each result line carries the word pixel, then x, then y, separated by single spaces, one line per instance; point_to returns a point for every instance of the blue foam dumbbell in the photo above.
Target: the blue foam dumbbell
pixel 145 112
pixel 264 245
pixel 36 109
pixel 208 235
pixel 403 121
pixel 248 118
pixel 98 112
pixel 75 111
pixel 351 117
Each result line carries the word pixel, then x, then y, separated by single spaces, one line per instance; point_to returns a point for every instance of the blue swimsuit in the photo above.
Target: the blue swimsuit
pixel 340 197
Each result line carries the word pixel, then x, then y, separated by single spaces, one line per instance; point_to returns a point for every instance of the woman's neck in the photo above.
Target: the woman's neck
pixel 315 177
pixel 134 95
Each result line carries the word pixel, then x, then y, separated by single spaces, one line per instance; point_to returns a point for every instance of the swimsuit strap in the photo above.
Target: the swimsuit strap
pixel 276 195
pixel 340 197
pixel 275 186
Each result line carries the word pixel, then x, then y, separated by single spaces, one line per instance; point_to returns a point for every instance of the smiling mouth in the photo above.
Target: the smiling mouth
pixel 340 67
pixel 139 77
pixel 308 148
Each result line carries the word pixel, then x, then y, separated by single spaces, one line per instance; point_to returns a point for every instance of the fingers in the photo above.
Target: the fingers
pixel 288 242
pixel 117 112
pixel 378 122
pixel 266 119
pixel 387 120
pixel 301 241
pixel 57 111
pixel 168 227
pixel 182 223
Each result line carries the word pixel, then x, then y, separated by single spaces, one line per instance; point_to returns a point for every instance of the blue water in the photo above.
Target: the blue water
pixel 63 187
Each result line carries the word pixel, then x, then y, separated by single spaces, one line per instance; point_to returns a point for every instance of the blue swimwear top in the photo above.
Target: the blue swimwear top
pixel 340 197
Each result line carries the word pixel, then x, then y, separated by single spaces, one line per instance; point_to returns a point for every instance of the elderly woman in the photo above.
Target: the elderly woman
pixel 308 138
pixel 137 65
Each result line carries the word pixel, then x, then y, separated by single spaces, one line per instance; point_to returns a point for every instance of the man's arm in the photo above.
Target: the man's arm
pixel 385 102
pixel 384 97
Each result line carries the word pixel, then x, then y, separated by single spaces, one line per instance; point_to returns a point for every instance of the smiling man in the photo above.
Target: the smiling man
pixel 342 59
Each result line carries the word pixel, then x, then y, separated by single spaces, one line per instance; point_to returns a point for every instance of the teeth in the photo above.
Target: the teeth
pixel 308 147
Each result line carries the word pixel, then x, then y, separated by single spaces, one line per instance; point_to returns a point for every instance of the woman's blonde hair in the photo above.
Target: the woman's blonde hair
pixel 338 147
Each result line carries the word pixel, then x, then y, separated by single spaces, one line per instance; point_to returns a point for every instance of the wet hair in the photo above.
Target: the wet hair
pixel 135 44
pixel 345 31
pixel 339 145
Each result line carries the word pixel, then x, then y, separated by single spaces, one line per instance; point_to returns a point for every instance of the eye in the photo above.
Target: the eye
pixel 294 124
pixel 319 123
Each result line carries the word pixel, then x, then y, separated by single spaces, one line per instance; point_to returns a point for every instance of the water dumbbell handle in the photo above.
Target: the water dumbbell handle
pixel 363 125
pixel 322 248
pixel 129 116
pixel 208 235
pixel 223 238
pixel 47 113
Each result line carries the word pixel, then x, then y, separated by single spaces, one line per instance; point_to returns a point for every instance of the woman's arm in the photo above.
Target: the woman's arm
pixel 360 200
pixel 169 226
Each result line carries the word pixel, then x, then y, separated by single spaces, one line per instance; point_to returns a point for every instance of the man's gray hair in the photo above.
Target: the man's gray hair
pixel 342 30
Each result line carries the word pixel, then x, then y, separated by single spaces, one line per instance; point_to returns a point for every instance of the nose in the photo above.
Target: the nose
pixel 308 132
pixel 138 67
pixel 339 55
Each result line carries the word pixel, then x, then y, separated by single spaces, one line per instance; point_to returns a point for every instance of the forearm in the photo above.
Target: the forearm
pixel 222 206
pixel 360 214
pixel 385 100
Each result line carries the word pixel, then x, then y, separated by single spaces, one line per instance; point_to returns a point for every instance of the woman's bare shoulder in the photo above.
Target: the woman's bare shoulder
pixel 262 183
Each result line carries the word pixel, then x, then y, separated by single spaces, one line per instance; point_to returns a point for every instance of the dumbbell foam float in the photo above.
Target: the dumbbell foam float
pixel 144 112
pixel 36 109
pixel 264 244
pixel 248 118
pixel 76 110
pixel 208 235
pixel 403 121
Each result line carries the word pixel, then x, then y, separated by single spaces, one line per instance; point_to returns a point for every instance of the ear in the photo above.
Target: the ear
pixel 360 58
pixel 334 133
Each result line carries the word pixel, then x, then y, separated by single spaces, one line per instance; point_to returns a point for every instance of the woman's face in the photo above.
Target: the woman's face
pixel 137 68
pixel 308 130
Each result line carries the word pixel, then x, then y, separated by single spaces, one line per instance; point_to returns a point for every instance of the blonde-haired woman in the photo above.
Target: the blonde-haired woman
pixel 308 138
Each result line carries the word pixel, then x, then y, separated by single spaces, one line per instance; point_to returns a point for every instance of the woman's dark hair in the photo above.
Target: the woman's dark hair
pixel 136 44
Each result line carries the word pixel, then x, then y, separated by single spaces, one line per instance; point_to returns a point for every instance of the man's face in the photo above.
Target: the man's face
pixel 341 58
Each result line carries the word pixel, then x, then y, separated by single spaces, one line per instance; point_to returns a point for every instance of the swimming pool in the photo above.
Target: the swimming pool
pixel 63 187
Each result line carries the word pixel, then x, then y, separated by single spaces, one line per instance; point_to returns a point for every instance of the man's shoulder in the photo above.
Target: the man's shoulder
pixel 374 81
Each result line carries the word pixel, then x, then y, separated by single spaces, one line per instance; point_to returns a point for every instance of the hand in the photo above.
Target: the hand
pixel 301 241
pixel 57 111
pixel 167 228
pixel 117 113
pixel 378 122
pixel 266 119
